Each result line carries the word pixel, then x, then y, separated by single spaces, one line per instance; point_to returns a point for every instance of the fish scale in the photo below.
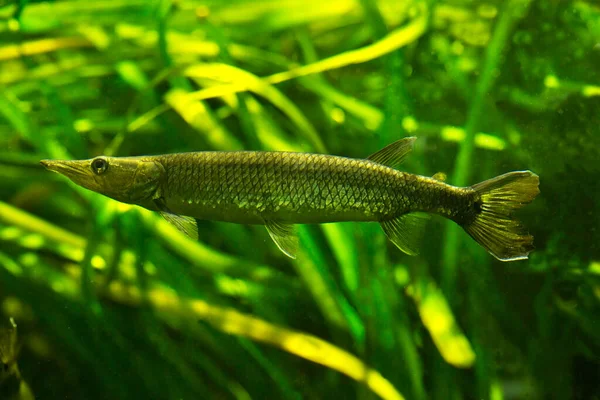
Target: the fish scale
pixel 289 187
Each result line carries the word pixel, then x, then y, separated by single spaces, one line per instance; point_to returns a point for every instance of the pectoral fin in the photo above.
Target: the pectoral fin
pixel 187 225
pixel 284 236
pixel 406 231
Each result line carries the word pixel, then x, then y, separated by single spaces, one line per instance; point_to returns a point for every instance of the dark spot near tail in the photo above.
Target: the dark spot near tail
pixel 477 206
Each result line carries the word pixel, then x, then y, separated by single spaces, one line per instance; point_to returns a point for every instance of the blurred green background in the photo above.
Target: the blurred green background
pixel 113 302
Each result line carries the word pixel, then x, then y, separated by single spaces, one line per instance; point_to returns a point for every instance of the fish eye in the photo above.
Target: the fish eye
pixel 99 165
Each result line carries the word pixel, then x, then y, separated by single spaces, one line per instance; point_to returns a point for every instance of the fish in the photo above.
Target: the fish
pixel 282 189
pixel 12 384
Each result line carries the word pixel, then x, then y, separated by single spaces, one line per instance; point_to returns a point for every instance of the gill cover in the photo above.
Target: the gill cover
pixel 126 179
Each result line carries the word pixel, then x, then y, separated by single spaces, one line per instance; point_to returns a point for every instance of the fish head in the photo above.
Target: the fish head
pixel 126 179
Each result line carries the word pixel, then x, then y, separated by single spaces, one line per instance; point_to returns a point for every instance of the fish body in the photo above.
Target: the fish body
pixel 297 188
pixel 280 189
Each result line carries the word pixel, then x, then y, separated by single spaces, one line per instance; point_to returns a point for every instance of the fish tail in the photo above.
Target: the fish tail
pixel 493 226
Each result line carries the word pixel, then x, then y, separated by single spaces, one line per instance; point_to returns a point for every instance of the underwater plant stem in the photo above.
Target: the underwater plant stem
pixel 382 320
pixel 513 11
pixel 163 9
pixel 162 12
pixel 396 101
pixel 339 240
pixel 329 298
pixel 247 125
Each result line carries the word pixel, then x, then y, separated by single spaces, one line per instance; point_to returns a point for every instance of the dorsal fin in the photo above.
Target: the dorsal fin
pixel 440 176
pixel 393 154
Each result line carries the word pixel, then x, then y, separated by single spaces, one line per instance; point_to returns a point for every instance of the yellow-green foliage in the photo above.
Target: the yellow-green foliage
pixel 113 302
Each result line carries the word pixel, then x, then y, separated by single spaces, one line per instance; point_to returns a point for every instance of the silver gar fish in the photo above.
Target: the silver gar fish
pixel 280 189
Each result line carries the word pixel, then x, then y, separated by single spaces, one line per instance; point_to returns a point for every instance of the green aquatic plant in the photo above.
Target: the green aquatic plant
pixel 112 301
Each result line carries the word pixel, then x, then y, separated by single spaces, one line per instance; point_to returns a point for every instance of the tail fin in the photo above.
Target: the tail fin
pixel 493 227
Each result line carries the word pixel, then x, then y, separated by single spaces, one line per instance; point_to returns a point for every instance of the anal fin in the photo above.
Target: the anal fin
pixel 284 236
pixel 187 225
pixel 406 231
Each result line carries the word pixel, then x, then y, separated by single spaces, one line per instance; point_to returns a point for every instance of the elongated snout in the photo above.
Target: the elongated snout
pixel 66 167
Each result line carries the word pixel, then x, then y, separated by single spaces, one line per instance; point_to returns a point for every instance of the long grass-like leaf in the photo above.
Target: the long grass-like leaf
pixel 395 40
pixel 201 118
pixel 222 72
pixel 441 324
pixel 300 344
